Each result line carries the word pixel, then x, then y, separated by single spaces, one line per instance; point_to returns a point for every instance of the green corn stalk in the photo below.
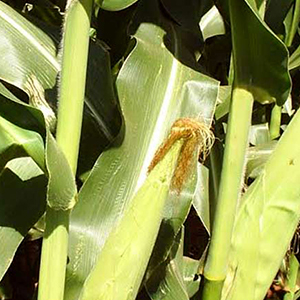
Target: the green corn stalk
pixel 229 191
pixel 72 86
pixel 252 80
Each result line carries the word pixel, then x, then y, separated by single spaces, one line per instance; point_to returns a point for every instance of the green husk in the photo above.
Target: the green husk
pixel 122 263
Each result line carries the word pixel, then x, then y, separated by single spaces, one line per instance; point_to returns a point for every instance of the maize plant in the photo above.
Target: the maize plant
pixel 149 149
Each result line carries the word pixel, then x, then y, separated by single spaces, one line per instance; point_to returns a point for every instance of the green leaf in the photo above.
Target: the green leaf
pixel 259 134
pixel 22 203
pixel 292 276
pixel 257 158
pixel 61 188
pixel 212 24
pixel 150 104
pixel 258 155
pixel 215 163
pixel 294 61
pixel 224 98
pixel 175 278
pixel 14 139
pixel 11 108
pixel 288 107
pixel 261 58
pixel 19 136
pixel 18 36
pixel 191 275
pixel 201 197
pixel 167 282
pixel 115 5
pixel 291 23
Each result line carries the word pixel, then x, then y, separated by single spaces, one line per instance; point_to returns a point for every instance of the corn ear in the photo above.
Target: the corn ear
pixel 122 262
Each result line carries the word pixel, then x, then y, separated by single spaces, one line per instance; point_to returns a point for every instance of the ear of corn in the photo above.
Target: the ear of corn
pixel 123 260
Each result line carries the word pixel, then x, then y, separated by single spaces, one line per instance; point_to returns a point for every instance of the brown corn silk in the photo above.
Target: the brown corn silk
pixel 196 136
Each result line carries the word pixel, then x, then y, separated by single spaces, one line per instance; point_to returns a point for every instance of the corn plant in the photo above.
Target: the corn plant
pixel 119 120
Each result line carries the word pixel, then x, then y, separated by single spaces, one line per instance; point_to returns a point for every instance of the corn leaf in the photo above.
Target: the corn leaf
pixel 257 157
pixel 61 189
pixel 224 101
pixel 22 203
pixel 15 139
pixel 114 5
pixel 201 197
pixel 19 136
pixel 177 277
pixel 212 24
pixel 267 79
pixel 16 35
pixel 259 134
pixel 294 61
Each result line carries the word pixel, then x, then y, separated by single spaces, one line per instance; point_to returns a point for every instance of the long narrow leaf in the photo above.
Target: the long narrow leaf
pixel 16 33
pixel 22 203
